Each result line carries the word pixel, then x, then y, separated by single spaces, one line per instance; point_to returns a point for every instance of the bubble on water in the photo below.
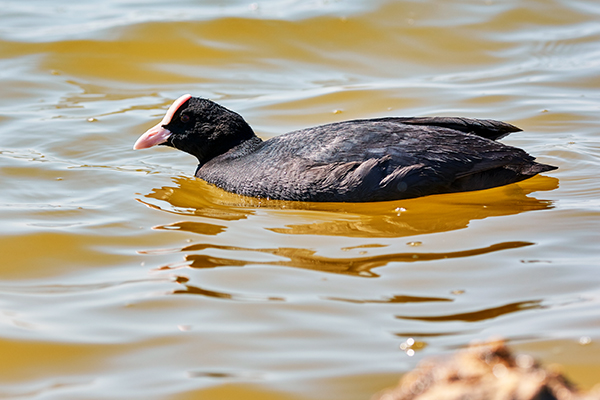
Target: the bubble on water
pixel 407 344
pixel 584 340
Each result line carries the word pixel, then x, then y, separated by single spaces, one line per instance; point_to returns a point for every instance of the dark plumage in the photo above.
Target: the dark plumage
pixel 352 161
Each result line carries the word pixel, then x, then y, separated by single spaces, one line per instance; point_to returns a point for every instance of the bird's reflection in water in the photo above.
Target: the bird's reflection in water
pixel 432 214
pixel 445 324
pixel 308 259
pixel 194 198
pixel 191 289
pixel 478 315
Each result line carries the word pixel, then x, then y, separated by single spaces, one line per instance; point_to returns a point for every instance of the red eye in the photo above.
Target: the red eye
pixel 184 118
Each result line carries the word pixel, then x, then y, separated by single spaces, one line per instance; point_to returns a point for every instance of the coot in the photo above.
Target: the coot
pixel 352 161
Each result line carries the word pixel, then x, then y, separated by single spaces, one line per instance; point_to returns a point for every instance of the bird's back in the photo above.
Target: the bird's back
pixel 374 160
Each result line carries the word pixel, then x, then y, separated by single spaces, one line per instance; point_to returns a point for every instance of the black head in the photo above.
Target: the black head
pixel 199 127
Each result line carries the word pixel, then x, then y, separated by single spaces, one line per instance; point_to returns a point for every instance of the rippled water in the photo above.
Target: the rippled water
pixel 122 276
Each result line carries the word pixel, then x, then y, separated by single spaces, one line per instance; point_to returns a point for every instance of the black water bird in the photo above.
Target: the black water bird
pixel 352 161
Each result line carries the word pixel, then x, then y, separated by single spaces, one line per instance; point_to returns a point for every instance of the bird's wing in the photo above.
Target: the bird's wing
pixel 486 128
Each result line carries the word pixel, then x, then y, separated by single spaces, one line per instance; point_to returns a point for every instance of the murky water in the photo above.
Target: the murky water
pixel 122 276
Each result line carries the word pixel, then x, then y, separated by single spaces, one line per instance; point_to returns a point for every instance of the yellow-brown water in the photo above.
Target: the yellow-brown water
pixel 122 276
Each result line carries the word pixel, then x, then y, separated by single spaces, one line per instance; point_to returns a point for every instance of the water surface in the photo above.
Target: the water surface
pixel 122 276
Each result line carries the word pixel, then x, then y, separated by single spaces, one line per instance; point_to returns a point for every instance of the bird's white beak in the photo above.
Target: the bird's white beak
pixel 152 137
pixel 158 134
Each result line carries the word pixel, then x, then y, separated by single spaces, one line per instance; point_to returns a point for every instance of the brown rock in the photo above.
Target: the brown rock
pixel 487 371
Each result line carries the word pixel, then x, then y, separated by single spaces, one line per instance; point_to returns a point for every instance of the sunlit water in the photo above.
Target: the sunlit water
pixel 122 276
